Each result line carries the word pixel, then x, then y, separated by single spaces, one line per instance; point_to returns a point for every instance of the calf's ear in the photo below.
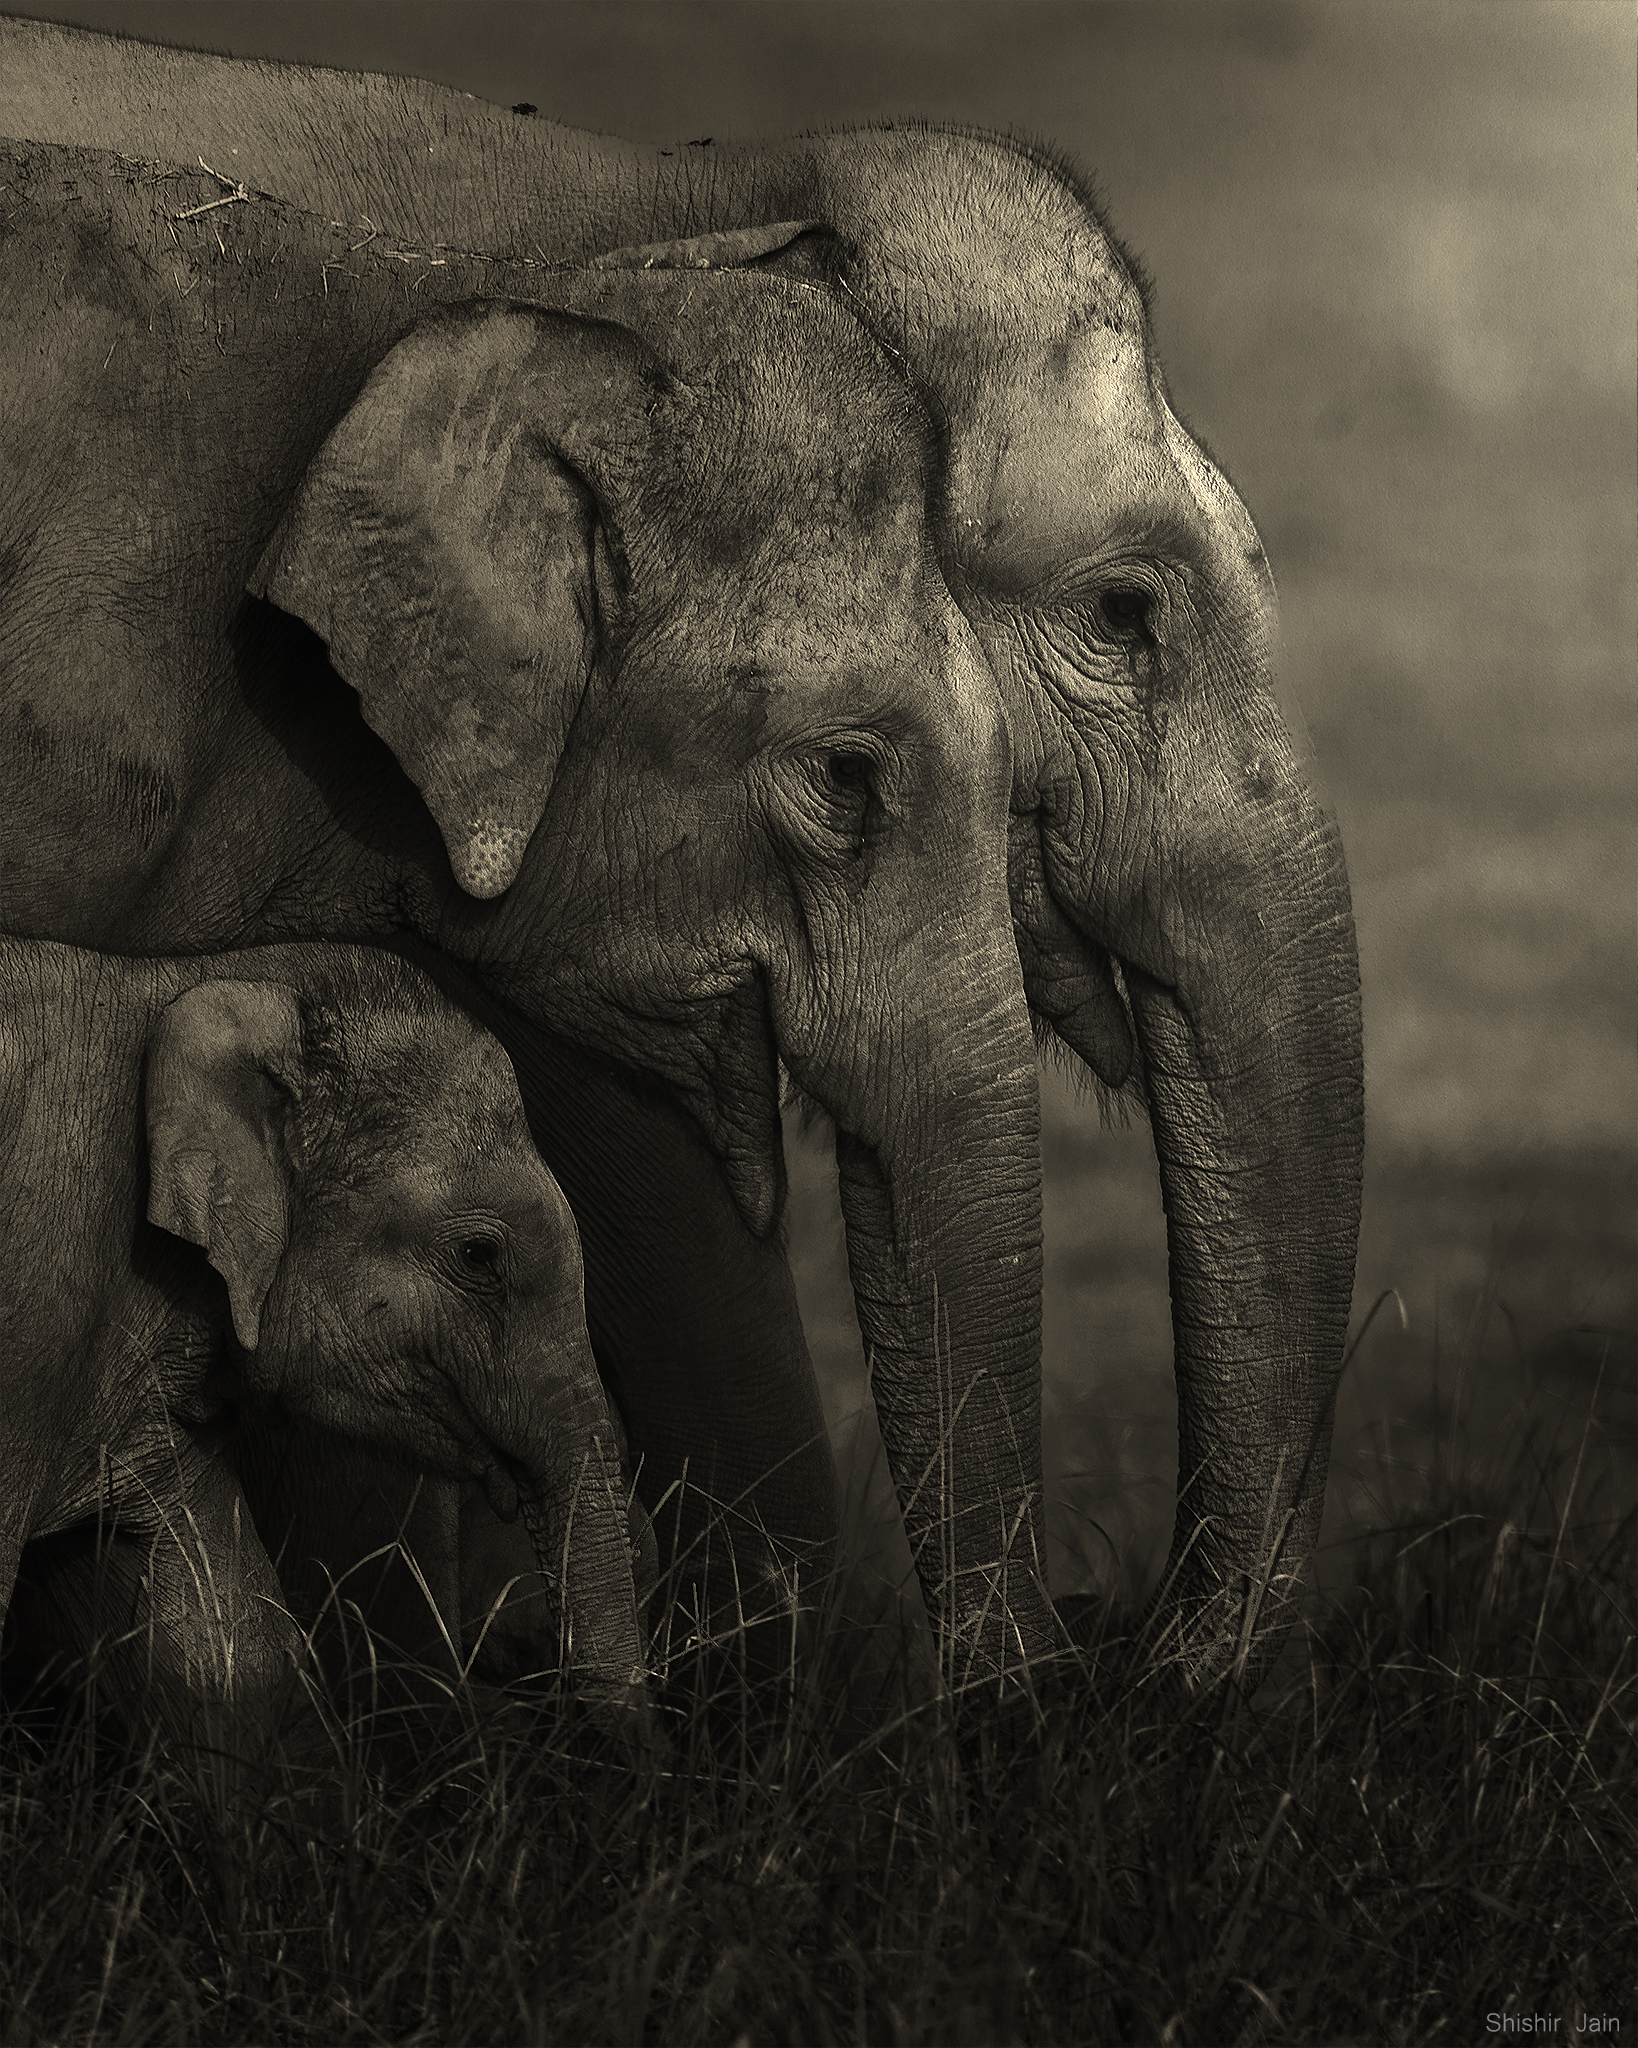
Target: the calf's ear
pixel 443 543
pixel 223 1089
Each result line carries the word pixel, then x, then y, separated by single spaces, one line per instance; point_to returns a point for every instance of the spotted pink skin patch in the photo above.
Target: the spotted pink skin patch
pixel 487 860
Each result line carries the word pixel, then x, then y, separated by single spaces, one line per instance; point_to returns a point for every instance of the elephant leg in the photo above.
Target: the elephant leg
pixel 367 1553
pixel 186 1620
pixel 697 1331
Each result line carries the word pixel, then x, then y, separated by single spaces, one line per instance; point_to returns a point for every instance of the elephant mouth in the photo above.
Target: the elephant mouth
pixel 1097 1032
pixel 501 1477
pixel 500 1490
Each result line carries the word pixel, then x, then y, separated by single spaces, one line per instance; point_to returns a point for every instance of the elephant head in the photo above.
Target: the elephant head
pixel 1179 892
pixel 658 633
pixel 1168 846
pixel 350 1151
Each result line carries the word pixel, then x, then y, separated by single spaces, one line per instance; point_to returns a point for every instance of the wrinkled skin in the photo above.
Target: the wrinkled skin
pixel 296 1181
pixel 647 725
pixel 1161 814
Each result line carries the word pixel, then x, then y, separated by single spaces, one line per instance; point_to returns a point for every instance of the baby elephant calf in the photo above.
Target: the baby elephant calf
pixel 391 1258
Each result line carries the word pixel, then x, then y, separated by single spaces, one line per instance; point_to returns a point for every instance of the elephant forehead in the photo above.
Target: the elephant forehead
pixel 967 249
pixel 748 335
pixel 751 576
pixel 1054 443
pixel 451 1157
pixel 815 609
pixel 808 660
pixel 422 1075
pixel 1084 471
pixel 748 491
pixel 1218 501
pixel 476 1064
pixel 437 1184
pixel 474 1094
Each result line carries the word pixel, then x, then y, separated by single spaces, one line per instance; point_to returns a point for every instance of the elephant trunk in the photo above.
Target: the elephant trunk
pixel 574 1505
pixel 943 1221
pixel 1253 1067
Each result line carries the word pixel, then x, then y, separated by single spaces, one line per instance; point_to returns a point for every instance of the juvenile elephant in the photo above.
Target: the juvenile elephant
pixel 349 1153
pixel 633 706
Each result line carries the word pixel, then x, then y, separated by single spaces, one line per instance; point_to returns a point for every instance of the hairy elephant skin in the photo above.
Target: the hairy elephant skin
pixel 597 656
pixel 294 1180
pixel 1161 816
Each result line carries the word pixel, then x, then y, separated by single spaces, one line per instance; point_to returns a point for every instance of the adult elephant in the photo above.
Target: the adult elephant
pixel 650 720
pixel 1165 839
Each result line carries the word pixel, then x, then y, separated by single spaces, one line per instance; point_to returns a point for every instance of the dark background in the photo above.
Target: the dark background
pixel 1396 297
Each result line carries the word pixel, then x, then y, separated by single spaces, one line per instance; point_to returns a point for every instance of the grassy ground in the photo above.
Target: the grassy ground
pixel 1428 1816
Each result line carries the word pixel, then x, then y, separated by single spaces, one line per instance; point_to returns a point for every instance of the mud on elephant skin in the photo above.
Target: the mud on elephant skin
pixel 348 1152
pixel 654 656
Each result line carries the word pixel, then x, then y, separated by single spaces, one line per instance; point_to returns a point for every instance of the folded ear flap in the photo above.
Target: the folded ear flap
pixel 442 543
pixel 224 1086
pixel 734 249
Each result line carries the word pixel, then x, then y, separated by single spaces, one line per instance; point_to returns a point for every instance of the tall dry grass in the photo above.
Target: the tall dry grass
pixel 1425 1818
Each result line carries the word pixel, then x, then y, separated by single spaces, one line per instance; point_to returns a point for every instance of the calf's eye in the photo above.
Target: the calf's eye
pixel 480 1254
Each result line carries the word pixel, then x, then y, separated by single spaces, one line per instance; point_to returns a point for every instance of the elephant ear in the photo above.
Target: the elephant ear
pixel 734 249
pixel 223 1091
pixel 442 542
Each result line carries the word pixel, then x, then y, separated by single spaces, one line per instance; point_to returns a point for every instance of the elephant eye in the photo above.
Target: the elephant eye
pixel 846 781
pixel 480 1254
pixel 848 775
pixel 1126 613
pixel 835 789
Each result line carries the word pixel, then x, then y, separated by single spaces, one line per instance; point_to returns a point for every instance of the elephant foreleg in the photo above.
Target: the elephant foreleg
pixel 185 1618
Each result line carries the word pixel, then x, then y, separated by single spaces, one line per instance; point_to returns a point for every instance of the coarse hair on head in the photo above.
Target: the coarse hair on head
pixel 386 1055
